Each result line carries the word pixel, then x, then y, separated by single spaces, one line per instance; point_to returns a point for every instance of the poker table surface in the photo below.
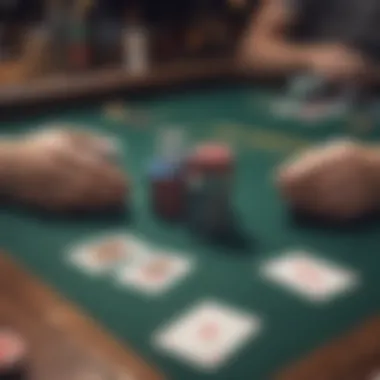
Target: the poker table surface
pixel 243 116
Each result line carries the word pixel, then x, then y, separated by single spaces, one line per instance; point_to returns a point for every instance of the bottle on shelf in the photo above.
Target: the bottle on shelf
pixel 37 51
pixel 78 47
pixel 135 45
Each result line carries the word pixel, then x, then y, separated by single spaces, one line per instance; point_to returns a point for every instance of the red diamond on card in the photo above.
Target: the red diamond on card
pixel 209 331
pixel 156 270
pixel 308 273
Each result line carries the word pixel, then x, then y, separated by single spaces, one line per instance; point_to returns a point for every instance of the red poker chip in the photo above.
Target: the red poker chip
pixel 168 198
pixel 12 350
pixel 211 157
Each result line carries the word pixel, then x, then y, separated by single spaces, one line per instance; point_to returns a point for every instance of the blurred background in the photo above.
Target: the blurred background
pixel 79 45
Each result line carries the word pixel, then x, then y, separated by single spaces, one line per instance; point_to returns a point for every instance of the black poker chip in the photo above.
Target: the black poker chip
pixel 13 356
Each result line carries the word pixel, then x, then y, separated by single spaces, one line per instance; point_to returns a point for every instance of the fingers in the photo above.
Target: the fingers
pixel 331 181
pixel 93 181
pixel 296 177
pixel 68 170
pixel 315 160
pixel 86 187
pixel 81 192
pixel 106 186
pixel 338 63
pixel 317 195
pixel 89 144
pixel 297 190
pixel 83 144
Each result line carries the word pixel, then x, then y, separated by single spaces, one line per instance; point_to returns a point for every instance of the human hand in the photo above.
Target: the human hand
pixel 334 181
pixel 63 170
pixel 337 63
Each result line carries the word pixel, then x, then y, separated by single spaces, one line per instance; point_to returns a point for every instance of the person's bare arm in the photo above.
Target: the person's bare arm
pixel 265 47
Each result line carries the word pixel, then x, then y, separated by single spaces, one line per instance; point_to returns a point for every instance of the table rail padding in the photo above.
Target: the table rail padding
pixel 62 339
pixel 354 356
pixel 72 85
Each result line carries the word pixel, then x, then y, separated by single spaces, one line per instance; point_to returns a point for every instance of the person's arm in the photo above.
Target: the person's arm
pixel 265 47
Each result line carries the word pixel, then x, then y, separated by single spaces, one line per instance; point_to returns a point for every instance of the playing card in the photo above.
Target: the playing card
pixel 284 107
pixel 319 110
pixel 157 273
pixel 107 253
pixel 341 140
pixel 208 335
pixel 310 276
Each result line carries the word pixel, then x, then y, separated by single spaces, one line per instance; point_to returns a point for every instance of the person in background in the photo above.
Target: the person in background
pixel 336 39
pixel 339 41
pixel 60 170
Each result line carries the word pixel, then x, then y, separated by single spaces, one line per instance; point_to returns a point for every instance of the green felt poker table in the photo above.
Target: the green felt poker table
pixel 292 327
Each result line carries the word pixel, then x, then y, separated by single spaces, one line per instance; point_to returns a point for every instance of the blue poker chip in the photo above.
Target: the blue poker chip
pixel 163 169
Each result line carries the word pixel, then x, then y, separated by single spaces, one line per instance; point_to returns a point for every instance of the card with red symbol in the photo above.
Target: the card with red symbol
pixel 157 273
pixel 312 277
pixel 208 335
pixel 107 253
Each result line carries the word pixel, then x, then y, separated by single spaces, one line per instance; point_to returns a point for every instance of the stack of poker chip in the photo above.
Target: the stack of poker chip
pixel 166 175
pixel 209 170
pixel 167 189
pixel 195 186
pixel 13 356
